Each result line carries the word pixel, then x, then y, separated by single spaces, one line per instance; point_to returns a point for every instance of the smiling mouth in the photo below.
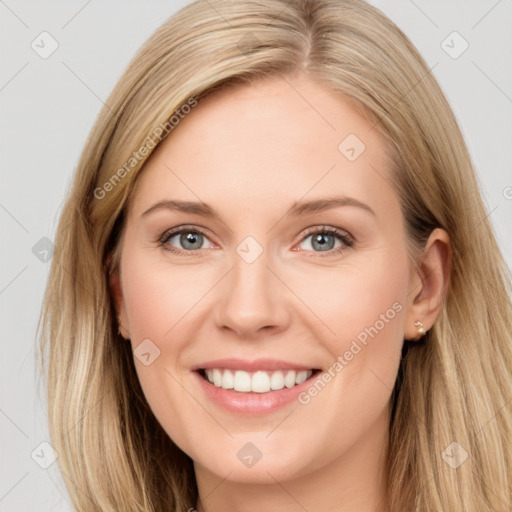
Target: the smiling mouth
pixel 260 381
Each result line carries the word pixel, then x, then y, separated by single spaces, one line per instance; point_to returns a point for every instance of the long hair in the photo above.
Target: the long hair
pixel 454 388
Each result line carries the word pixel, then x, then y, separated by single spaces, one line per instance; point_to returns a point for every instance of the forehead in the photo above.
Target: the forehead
pixel 273 141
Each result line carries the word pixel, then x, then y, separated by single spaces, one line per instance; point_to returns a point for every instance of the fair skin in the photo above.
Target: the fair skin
pixel 250 152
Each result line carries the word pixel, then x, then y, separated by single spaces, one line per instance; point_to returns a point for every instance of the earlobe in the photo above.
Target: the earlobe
pixel 434 274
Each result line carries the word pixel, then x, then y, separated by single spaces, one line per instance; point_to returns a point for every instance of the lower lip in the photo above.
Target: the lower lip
pixel 252 403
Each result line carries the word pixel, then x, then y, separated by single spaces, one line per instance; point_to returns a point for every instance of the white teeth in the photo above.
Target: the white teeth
pixel 242 381
pixel 228 381
pixel 289 379
pixel 217 377
pixel 301 376
pixel 260 381
pixel 277 380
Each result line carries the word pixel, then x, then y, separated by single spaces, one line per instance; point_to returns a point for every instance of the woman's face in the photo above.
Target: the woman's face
pixel 266 277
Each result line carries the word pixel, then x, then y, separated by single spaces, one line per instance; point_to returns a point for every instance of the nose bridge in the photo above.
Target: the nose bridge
pixel 252 296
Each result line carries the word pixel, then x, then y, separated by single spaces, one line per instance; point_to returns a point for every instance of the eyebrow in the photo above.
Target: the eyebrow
pixel 298 208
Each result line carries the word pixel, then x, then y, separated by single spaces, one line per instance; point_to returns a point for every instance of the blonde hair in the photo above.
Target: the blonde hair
pixel 455 387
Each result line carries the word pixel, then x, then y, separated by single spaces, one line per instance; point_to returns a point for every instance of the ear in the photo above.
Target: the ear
pixel 429 283
pixel 118 298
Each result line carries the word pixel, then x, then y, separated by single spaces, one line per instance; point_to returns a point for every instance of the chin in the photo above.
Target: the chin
pixel 258 461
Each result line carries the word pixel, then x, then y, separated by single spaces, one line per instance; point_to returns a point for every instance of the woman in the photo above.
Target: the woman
pixel 275 285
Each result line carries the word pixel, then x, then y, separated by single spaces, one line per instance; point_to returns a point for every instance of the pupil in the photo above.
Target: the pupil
pixel 190 238
pixel 320 239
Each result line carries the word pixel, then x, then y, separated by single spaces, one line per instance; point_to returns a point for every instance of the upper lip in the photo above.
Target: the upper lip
pixel 251 365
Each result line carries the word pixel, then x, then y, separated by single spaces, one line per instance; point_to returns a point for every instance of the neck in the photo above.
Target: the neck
pixel 356 480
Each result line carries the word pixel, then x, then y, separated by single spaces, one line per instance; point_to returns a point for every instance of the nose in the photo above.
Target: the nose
pixel 254 300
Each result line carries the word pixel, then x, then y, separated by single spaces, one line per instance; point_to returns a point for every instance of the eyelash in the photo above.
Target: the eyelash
pixel 346 239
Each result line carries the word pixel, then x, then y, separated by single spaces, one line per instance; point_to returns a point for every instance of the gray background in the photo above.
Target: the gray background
pixel 49 105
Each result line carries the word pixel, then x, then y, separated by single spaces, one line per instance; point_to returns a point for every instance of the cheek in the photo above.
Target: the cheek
pixel 161 303
pixel 160 298
pixel 366 306
pixel 372 308
pixel 374 313
pixel 362 299
pixel 363 304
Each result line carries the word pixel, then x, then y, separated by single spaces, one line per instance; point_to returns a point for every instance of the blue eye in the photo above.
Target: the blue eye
pixel 192 240
pixel 324 239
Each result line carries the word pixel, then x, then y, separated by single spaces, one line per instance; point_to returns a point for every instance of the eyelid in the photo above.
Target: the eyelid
pixel 169 233
pixel 342 233
pixel 347 241
pixel 346 238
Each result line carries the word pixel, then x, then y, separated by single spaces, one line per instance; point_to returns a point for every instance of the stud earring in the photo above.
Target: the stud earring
pixel 421 328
